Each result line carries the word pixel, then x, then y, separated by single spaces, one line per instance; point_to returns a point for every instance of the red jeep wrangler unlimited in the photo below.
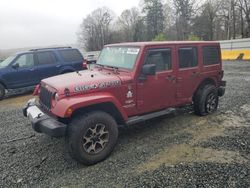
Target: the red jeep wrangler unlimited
pixel 131 82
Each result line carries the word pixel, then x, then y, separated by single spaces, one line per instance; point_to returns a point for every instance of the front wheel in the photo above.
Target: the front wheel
pixel 206 100
pixel 92 137
pixel 2 91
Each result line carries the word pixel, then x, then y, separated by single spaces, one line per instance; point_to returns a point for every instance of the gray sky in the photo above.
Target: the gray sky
pixel 27 23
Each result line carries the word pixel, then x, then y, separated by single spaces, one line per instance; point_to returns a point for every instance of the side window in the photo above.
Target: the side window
pixel 161 58
pixel 46 58
pixel 187 57
pixel 25 60
pixel 210 55
pixel 71 55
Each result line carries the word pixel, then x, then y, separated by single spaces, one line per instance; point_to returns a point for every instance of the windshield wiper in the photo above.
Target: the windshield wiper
pixel 112 67
pixel 115 69
pixel 99 65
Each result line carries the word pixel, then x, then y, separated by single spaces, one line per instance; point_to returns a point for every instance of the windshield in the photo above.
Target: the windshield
pixel 7 61
pixel 119 57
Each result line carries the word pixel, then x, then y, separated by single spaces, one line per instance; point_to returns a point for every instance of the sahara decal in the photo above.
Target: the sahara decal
pixel 101 85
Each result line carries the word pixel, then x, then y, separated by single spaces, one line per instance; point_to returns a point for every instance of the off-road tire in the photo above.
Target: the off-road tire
pixel 2 91
pixel 203 98
pixel 80 126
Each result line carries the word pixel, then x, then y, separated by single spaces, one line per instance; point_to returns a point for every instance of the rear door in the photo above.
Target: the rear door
pixel 47 64
pixel 211 62
pixel 157 91
pixel 189 73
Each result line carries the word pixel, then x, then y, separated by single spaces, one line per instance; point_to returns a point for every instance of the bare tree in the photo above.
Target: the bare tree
pixel 204 23
pixel 127 23
pixel 169 16
pixel 245 8
pixel 184 12
pixel 174 20
pixel 95 29
pixel 154 18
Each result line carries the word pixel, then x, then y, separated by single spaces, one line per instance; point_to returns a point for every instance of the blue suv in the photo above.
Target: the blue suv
pixel 25 70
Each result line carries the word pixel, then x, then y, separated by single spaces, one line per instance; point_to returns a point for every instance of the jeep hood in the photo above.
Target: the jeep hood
pixel 83 81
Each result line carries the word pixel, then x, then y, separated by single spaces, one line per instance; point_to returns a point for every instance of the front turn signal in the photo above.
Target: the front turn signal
pixel 37 90
pixel 69 111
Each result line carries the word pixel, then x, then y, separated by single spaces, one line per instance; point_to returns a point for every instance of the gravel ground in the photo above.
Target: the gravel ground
pixel 180 151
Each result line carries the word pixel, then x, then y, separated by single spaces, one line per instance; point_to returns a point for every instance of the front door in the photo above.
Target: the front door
pixel 158 91
pixel 22 73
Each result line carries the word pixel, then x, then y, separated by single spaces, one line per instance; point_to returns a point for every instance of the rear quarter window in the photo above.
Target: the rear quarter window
pixel 210 55
pixel 71 55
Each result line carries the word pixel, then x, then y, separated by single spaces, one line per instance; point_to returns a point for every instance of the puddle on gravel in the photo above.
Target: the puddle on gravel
pixel 201 129
pixel 185 153
pixel 232 120
pixel 245 109
pixel 17 101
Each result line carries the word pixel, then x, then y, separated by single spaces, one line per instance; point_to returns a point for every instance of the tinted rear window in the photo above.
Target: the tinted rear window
pixel 46 57
pixel 210 55
pixel 187 57
pixel 71 55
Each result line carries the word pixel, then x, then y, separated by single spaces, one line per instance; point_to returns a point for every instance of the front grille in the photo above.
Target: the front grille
pixel 45 98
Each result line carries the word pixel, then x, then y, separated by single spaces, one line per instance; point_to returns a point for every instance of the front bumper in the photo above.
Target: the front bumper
pixel 221 90
pixel 41 122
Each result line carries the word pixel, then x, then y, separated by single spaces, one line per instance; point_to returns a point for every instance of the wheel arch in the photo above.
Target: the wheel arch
pixel 65 108
pixel 2 82
pixel 107 107
pixel 204 82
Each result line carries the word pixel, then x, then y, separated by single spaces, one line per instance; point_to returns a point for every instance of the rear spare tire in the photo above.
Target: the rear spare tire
pixel 91 137
pixel 206 100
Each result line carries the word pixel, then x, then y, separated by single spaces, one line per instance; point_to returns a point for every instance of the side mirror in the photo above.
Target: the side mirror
pixel 149 69
pixel 15 66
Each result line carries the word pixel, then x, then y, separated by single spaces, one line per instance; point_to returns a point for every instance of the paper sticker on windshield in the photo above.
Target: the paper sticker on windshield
pixel 133 51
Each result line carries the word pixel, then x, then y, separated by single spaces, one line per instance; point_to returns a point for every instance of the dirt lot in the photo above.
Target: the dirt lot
pixel 180 151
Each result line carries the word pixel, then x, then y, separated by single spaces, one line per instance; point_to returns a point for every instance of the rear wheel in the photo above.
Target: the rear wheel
pixel 206 100
pixel 2 91
pixel 92 137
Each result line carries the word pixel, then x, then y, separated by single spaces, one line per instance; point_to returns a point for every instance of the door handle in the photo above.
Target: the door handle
pixel 58 66
pixel 170 78
pixel 179 79
pixel 195 73
pixel 32 69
